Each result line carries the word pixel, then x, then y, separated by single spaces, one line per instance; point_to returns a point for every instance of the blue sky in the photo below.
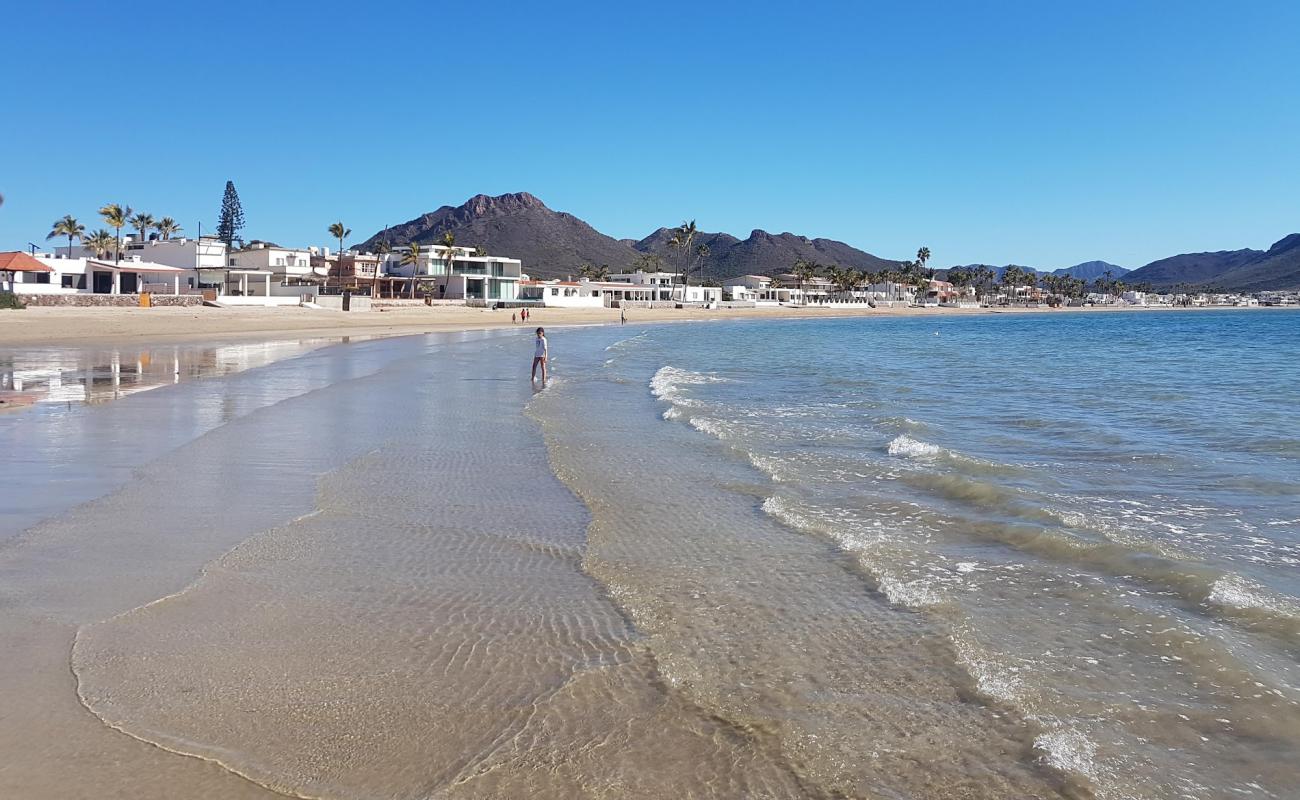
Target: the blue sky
pixel 1039 133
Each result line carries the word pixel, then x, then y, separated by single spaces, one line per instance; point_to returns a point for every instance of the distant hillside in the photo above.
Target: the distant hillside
pixel 1091 270
pixel 1191 268
pixel 550 243
pixel 554 244
pixel 765 253
pixel 1278 268
pixel 1088 270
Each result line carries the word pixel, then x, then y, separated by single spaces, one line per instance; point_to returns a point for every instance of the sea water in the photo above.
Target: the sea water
pixel 981 557
pixel 1097 516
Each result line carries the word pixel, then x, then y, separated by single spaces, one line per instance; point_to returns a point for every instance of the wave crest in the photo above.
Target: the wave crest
pixel 907 447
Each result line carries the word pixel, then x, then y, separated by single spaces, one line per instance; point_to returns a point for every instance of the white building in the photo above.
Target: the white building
pixel 765 291
pixel 564 294
pixel 458 274
pixel 288 266
pixel 205 253
pixel 662 287
pixel 102 276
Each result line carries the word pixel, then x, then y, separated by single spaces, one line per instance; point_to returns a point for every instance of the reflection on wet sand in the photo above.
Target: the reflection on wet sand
pixel 32 376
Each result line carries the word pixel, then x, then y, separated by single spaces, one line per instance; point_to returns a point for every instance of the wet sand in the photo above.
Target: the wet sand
pixel 394 609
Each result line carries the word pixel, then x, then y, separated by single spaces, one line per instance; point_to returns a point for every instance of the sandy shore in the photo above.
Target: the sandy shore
pixel 57 326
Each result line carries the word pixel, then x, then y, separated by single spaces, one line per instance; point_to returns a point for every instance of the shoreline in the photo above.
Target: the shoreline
pixel 62 326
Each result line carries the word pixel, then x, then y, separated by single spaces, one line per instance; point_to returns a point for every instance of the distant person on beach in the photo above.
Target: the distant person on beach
pixel 513 318
pixel 539 355
pixel 622 315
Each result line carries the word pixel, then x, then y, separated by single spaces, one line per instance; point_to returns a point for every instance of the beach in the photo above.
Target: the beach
pixel 55 325
pixel 754 558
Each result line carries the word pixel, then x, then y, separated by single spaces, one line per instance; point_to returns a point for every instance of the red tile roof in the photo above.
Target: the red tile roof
pixel 21 262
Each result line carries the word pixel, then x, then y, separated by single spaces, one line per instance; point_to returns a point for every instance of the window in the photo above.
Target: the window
pixel 67 281
pixel 42 277
pixel 555 292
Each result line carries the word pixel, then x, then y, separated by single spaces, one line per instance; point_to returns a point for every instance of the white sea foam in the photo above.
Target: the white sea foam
pixel 623 342
pixel 709 426
pixel 667 384
pixel 767 464
pixel 907 447
pixel 1069 751
pixel 1234 591
pixel 917 593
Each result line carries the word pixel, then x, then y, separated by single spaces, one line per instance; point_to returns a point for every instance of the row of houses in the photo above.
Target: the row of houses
pixel 263 273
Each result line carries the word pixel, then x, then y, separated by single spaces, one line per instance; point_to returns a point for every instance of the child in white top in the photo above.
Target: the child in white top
pixel 539 354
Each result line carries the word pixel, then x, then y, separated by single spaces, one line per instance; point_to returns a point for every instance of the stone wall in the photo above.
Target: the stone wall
pixel 108 300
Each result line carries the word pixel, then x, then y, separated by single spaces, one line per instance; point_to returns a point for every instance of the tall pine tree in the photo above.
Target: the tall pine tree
pixel 232 216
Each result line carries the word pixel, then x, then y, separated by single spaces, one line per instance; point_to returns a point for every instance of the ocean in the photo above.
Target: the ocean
pixel 968 556
pixel 1097 517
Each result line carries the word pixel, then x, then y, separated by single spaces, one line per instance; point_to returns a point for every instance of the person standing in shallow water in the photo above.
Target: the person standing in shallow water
pixel 540 354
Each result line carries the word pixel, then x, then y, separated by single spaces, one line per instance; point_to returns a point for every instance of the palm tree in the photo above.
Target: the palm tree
pixel 412 257
pixel 340 232
pixel 69 227
pixel 649 262
pixel 99 242
pixel 846 280
pixel 804 271
pixel 167 228
pixel 480 251
pixel 116 217
pixel 922 256
pixel 143 223
pixel 601 273
pixel 701 253
pixel 683 240
pixel 449 242
pixel 381 249
pixel 986 278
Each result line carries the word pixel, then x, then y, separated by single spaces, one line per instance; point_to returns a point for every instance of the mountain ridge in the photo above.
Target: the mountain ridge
pixel 557 244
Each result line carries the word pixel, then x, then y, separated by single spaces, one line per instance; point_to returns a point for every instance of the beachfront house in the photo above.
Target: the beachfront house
pixel 564 294
pixel 760 290
pixel 765 291
pixel 642 286
pixel 69 276
pixel 347 270
pixel 195 254
pixel 455 273
pixel 288 266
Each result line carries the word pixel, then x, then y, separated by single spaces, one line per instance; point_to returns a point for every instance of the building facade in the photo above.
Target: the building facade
pixel 456 273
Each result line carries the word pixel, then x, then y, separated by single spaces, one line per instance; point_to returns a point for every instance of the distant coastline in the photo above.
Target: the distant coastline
pixel 70 326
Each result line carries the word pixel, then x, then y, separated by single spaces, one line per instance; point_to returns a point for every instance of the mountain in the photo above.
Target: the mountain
pixel 1091 270
pixel 550 243
pixel 764 253
pixel 1191 268
pixel 1242 270
pixel 1278 268
pixel 554 244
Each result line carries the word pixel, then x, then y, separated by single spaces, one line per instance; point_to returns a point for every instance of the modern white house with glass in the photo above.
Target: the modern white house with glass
pixel 457 273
